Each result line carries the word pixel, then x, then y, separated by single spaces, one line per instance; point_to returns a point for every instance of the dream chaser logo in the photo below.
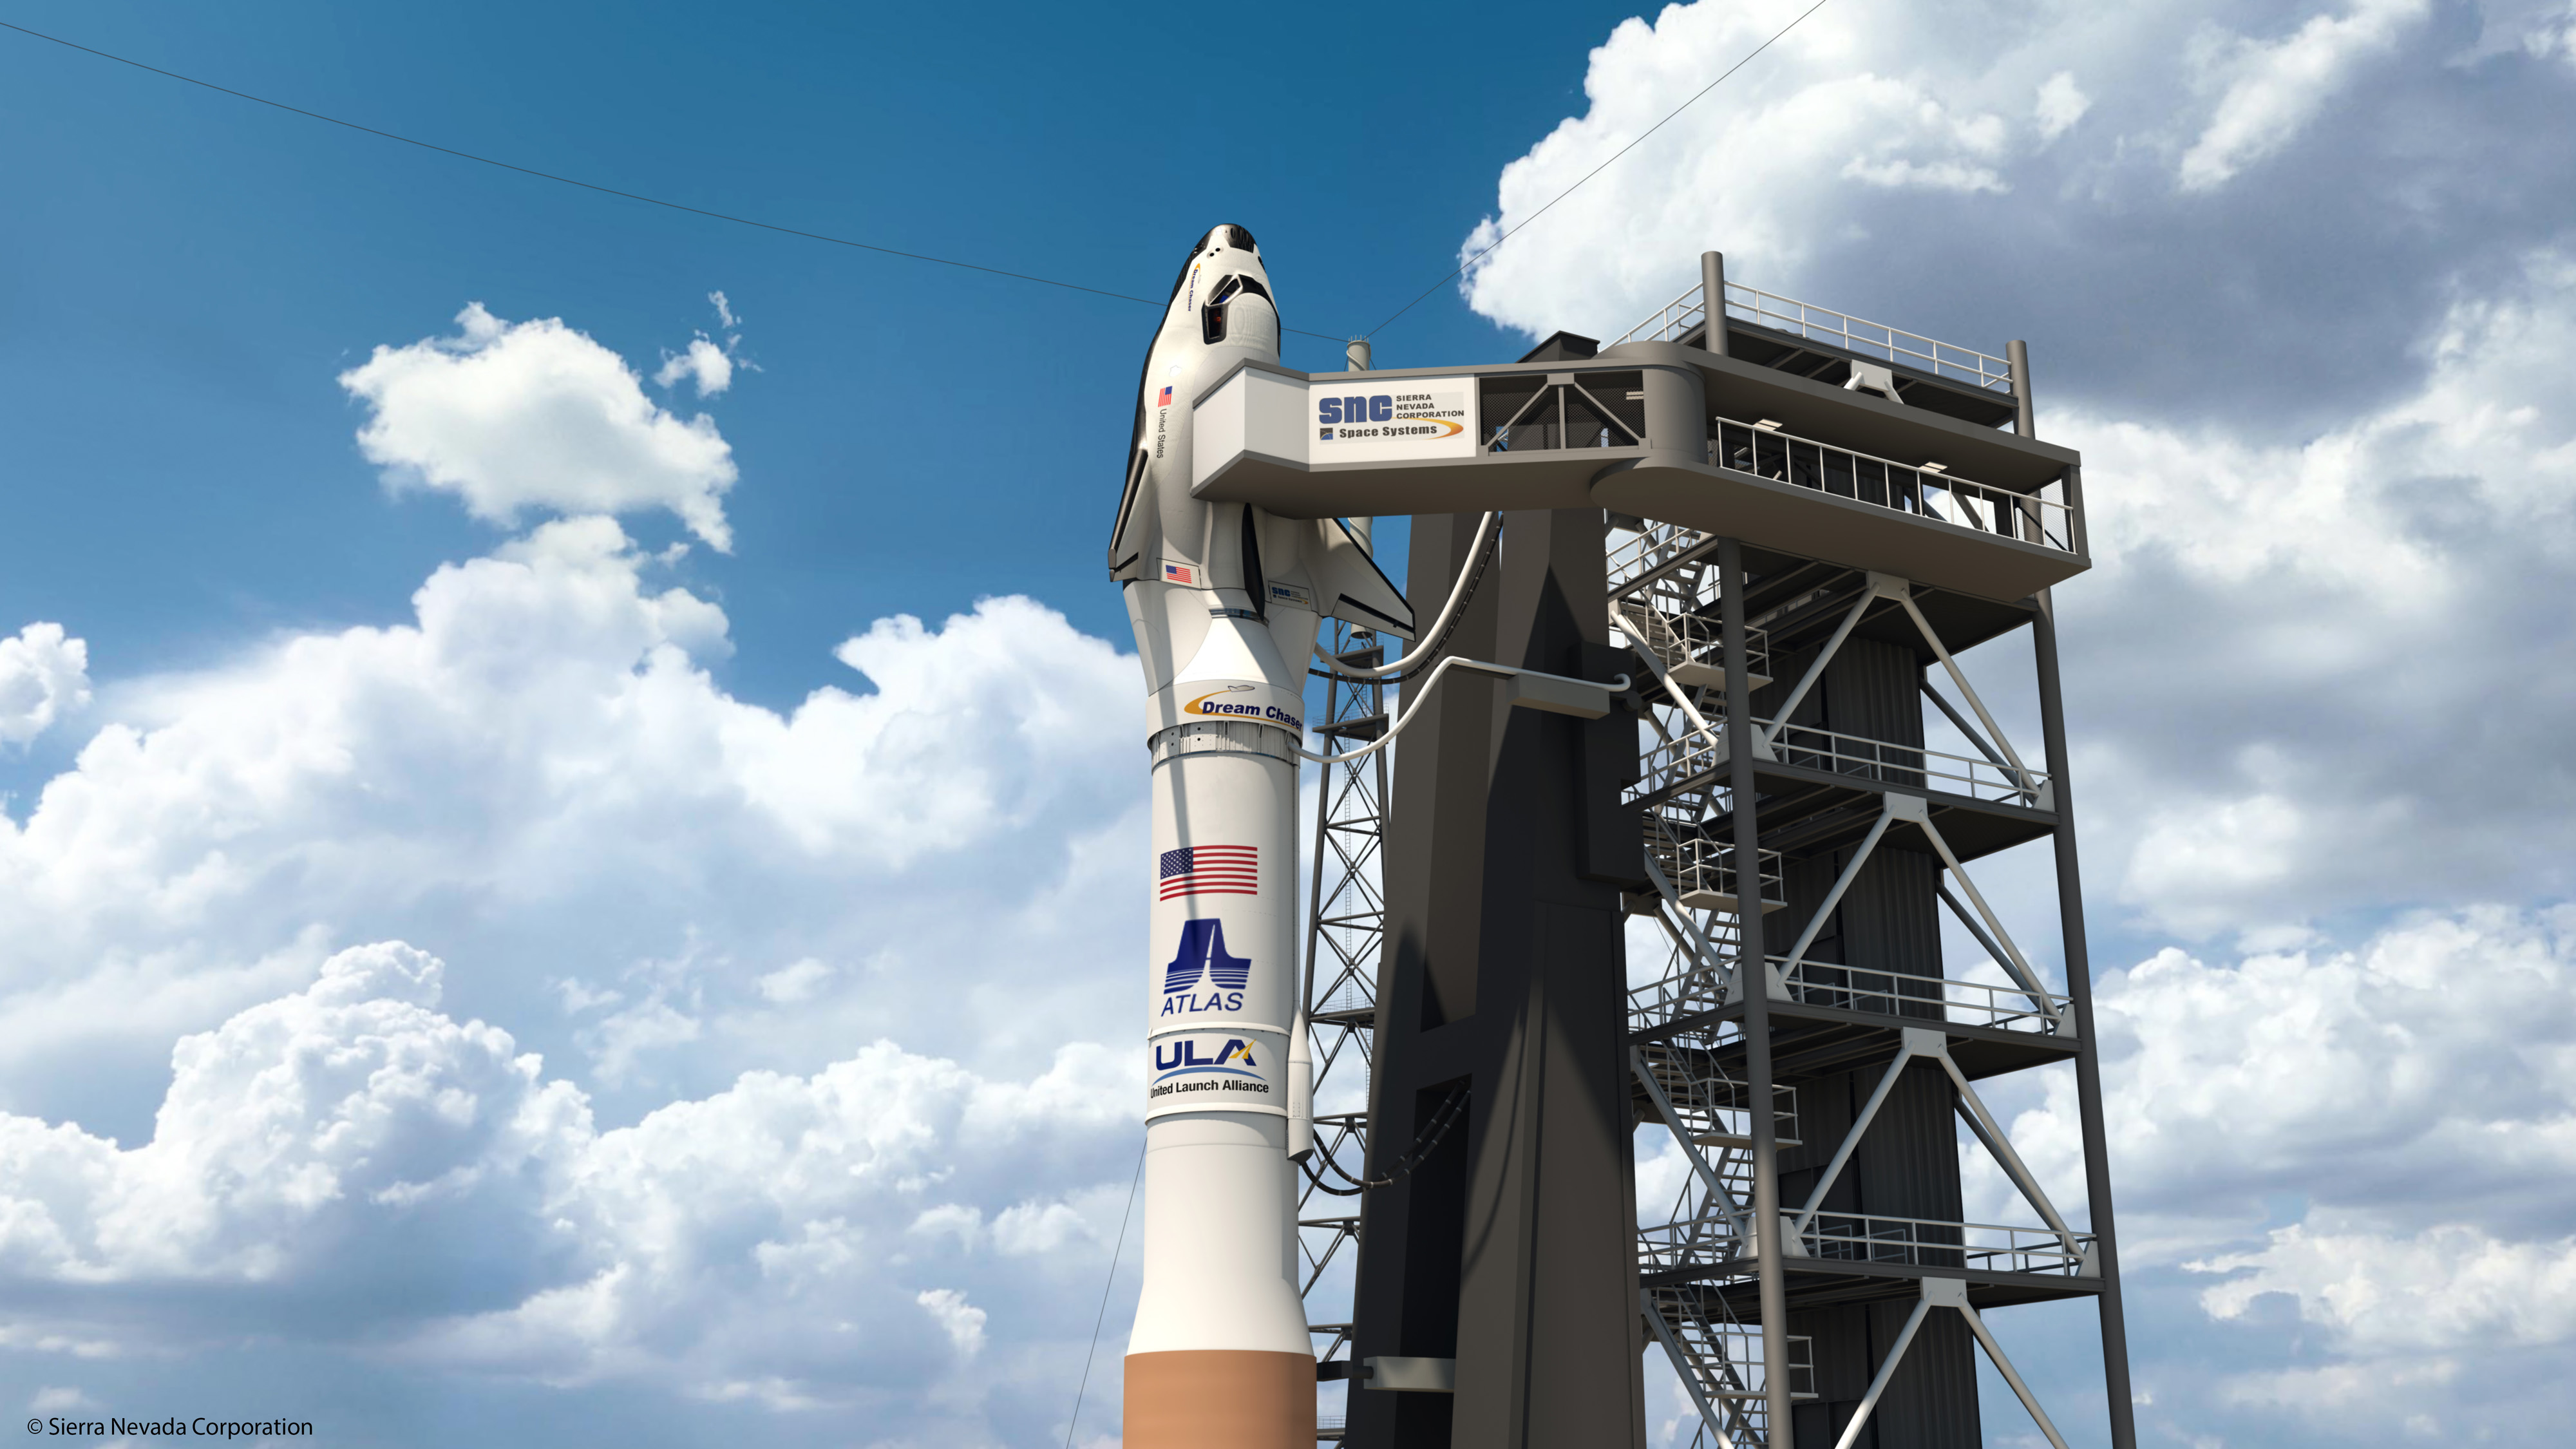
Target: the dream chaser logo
pixel 1210 703
pixel 1202 954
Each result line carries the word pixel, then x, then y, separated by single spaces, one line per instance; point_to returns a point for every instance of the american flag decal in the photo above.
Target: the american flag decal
pixel 1210 870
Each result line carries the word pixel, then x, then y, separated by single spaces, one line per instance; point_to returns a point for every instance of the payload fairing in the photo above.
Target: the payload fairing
pixel 1225 599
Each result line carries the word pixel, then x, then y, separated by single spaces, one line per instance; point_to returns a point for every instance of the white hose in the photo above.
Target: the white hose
pixel 1439 627
pixel 1420 695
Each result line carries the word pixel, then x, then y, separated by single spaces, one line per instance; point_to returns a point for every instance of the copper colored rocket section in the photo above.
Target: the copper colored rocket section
pixel 1238 1398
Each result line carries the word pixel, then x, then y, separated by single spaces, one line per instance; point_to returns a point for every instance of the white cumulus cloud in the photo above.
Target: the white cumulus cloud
pixel 2274 90
pixel 2061 104
pixel 2444 1289
pixel 513 416
pixel 703 363
pixel 2425 1080
pixel 961 1321
pixel 44 675
pixel 2273 583
pixel 350 1155
pixel 540 765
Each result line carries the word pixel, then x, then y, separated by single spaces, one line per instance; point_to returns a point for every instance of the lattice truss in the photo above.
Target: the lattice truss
pixel 1664 602
pixel 1346 925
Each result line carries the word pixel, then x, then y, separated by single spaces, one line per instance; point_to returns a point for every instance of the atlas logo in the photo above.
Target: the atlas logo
pixel 1202 955
pixel 1182 1059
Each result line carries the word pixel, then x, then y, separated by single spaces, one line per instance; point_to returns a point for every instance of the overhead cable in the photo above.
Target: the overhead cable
pixel 1604 166
pixel 608 190
pixel 1103 1316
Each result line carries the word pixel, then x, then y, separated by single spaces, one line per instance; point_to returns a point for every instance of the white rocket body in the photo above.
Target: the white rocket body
pixel 1225 601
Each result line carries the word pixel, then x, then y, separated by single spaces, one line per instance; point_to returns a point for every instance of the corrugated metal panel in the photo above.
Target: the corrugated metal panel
pixel 1908 1162
pixel 1931 1403
pixel 1874 689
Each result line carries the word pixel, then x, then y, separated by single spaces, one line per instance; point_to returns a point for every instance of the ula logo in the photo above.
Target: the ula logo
pixel 1183 1055
pixel 1202 954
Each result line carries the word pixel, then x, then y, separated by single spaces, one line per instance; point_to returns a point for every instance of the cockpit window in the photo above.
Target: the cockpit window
pixel 1212 316
pixel 1236 236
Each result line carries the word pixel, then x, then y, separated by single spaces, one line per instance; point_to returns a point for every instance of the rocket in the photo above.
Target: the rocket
pixel 1225 599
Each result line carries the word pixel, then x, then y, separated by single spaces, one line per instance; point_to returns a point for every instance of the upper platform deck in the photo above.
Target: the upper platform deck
pixel 1763 445
pixel 1823 345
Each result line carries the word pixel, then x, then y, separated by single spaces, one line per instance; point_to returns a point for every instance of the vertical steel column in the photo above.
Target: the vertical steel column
pixel 1712 294
pixel 2017 357
pixel 1357 353
pixel 2088 1057
pixel 2078 532
pixel 1753 978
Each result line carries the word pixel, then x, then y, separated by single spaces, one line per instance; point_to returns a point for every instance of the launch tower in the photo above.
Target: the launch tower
pixel 1786 526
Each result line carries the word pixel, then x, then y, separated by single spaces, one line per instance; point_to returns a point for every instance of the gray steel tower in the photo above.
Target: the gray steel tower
pixel 1785 526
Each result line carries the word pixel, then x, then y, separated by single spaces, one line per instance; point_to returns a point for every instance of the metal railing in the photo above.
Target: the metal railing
pixel 2003 1007
pixel 1975 777
pixel 1928 998
pixel 1731 1351
pixel 1702 870
pixel 1711 1240
pixel 1929 1243
pixel 1686 992
pixel 1716 1107
pixel 1720 1361
pixel 1688 644
pixel 1653 550
pixel 1695 1242
pixel 1920 490
pixel 1675 318
pixel 1837 329
pixel 1691 755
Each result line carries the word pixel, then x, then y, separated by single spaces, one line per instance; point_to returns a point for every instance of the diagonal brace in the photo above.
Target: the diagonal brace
pixel 1991 1133
pixel 1816 671
pixel 2012 960
pixel 2003 1365
pixel 1834 897
pixel 2003 958
pixel 1905 1056
pixel 1961 679
pixel 1886 1372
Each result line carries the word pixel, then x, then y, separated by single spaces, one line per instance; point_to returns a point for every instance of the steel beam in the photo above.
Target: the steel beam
pixel 1754 980
pixel 2088 1059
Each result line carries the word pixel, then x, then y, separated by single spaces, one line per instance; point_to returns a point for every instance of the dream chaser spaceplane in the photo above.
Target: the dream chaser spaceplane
pixel 1225 599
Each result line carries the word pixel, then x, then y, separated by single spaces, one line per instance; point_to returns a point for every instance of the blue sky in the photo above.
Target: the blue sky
pixel 552 895
pixel 230 260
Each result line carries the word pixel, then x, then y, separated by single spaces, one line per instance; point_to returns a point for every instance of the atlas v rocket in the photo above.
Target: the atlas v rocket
pixel 1225 600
